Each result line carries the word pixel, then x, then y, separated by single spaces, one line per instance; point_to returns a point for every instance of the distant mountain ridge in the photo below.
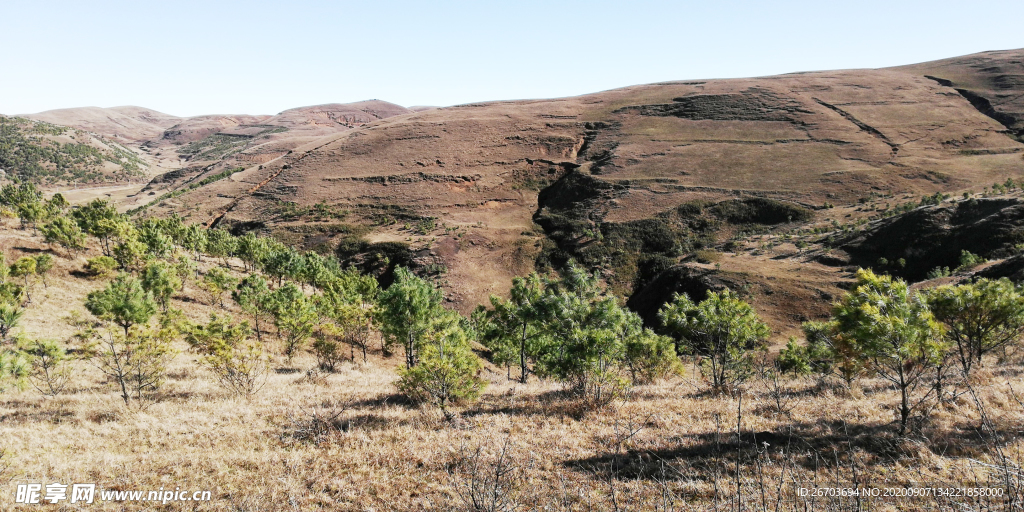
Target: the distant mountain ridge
pixel 139 124
pixel 189 147
pixel 129 123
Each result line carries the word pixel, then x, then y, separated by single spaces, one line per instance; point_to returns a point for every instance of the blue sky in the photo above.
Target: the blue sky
pixel 187 57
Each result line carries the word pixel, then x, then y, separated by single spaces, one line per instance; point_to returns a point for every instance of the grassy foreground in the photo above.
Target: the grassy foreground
pixel 347 441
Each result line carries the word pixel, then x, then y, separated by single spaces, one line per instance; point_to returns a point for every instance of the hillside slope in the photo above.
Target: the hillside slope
pixel 128 123
pixel 49 154
pixel 991 81
pixel 590 167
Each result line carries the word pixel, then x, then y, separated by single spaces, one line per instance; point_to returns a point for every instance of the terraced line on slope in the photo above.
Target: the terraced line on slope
pixel 217 218
pixel 863 126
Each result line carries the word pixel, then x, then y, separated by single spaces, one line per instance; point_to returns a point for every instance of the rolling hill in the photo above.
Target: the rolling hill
pixel 180 151
pixel 637 180
pixel 751 184
pixel 129 123
pixel 55 155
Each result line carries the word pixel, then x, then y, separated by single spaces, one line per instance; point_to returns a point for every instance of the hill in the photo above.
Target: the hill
pixel 991 81
pixel 143 353
pixel 635 180
pixel 229 140
pixel 56 155
pixel 129 123
pixel 181 151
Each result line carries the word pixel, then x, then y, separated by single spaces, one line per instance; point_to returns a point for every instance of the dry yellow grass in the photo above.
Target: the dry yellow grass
pixel 346 441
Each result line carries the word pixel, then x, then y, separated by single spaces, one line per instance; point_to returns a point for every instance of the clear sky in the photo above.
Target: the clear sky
pixel 187 57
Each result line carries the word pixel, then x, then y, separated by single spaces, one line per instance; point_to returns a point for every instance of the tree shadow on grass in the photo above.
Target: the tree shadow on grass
pixel 32 250
pixel 805 443
pixel 557 403
pixel 398 399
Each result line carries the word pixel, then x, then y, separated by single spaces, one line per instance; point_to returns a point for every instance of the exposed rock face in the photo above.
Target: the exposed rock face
pixel 785 295
pixel 691 280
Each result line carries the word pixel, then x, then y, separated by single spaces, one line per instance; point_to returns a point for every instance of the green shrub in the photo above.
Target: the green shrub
pixel 101 267
pixel 49 365
pixel 14 370
pixel 708 256
pixel 328 352
pixel 969 260
pixel 230 353
pixel 650 357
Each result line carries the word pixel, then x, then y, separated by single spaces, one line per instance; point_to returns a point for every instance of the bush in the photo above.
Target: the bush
pixel 135 361
pixel 10 317
pixel 328 353
pixel 490 480
pixel 793 359
pixel 10 293
pixel 708 256
pixel 101 267
pixel 969 260
pixel 650 357
pixel 14 370
pixel 64 232
pixel 231 354
pixel 217 282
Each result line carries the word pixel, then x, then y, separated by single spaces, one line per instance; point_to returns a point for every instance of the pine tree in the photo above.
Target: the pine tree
pixel 515 329
pixel 66 233
pixel 408 310
pixel 159 279
pixel 221 244
pixel 218 281
pixel 123 302
pixel 100 219
pixel 295 317
pixel 25 268
pixel 722 330
pixel 894 332
pixel 979 317
pixel 446 370
pixel 253 295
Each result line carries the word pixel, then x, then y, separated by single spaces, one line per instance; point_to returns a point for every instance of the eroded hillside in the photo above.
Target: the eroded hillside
pixel 483 192
pixel 180 152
